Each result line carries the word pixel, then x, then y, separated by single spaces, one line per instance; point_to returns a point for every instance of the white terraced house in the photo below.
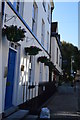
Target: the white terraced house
pixel 23 62
pixel 56 54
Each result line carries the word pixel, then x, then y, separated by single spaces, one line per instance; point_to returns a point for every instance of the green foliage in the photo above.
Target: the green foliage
pixel 32 50
pixel 69 50
pixel 13 33
pixel 42 59
pixel 50 64
pixel 71 78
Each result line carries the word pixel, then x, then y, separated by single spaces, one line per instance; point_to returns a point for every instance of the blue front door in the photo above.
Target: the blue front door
pixel 10 79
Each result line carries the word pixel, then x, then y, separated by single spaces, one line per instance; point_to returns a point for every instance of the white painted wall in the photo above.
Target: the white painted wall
pixel 54 46
pixel 20 76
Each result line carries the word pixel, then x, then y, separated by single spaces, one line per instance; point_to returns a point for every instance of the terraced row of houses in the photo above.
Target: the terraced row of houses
pixel 30 66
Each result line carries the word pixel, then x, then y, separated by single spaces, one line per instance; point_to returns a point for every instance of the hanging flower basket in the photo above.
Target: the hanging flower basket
pixel 42 59
pixel 50 64
pixel 31 86
pixel 13 33
pixel 32 50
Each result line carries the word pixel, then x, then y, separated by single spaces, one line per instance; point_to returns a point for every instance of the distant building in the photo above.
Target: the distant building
pixel 56 55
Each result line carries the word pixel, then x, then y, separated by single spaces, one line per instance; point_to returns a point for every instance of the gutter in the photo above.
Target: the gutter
pixel 25 24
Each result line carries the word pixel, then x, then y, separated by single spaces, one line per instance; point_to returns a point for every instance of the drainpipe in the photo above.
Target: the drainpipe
pixel 50 73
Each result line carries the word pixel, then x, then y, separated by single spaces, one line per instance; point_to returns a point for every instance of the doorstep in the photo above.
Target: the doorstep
pixel 10 111
pixel 18 115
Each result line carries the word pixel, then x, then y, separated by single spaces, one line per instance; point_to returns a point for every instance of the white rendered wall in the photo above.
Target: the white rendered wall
pixel 54 46
pixel 18 88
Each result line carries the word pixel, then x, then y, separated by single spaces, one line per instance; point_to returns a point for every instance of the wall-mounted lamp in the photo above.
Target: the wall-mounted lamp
pixel 22 67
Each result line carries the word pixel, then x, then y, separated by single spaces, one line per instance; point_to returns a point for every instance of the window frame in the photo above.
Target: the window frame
pixel 44 5
pixel 57 56
pixel 47 40
pixel 34 17
pixel 42 32
pixel 49 14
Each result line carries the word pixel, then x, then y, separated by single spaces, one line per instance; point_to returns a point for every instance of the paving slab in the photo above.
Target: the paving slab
pixel 10 111
pixel 18 115
pixel 31 117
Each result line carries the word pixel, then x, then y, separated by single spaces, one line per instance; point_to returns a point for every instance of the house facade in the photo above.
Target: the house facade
pixel 56 55
pixel 21 70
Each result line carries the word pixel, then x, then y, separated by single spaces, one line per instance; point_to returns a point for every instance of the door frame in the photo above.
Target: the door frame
pixel 14 74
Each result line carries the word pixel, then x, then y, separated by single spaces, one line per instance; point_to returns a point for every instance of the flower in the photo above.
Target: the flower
pixel 13 33
pixel 42 59
pixel 50 64
pixel 32 50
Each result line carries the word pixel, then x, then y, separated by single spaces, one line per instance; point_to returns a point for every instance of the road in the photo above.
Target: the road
pixel 64 104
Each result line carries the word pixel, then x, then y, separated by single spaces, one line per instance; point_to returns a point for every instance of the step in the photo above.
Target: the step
pixel 10 111
pixel 18 115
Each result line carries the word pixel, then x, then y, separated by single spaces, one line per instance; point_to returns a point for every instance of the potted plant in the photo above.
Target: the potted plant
pixel 13 33
pixel 50 64
pixel 32 50
pixel 31 86
pixel 42 59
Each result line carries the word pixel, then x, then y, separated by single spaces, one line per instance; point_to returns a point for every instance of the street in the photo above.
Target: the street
pixel 64 103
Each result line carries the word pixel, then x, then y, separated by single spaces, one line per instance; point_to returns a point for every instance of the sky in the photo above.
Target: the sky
pixel 66 13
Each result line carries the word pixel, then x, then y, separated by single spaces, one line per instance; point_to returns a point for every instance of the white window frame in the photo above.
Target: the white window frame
pixel 34 18
pixel 49 14
pixel 47 41
pixel 43 32
pixel 44 5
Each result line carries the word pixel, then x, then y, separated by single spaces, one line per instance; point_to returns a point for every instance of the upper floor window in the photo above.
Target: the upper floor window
pixel 42 32
pixel 57 56
pixel 44 5
pixel 59 60
pixel 16 5
pixel 47 40
pixel 19 7
pixel 49 14
pixel 34 18
pixel 3 6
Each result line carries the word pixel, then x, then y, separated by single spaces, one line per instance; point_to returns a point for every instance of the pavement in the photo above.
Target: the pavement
pixel 63 105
